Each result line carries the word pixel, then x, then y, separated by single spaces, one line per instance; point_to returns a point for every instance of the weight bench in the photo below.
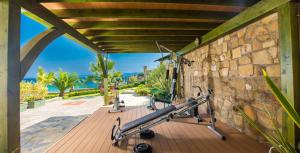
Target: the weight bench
pixel 159 116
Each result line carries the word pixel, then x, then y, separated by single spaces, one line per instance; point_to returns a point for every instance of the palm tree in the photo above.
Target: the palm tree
pixel 96 69
pixel 64 80
pixel 43 77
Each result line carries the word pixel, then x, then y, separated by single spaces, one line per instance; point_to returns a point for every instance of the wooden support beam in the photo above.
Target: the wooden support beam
pixel 142 25
pixel 127 13
pixel 142 43
pixel 142 46
pixel 99 42
pixel 209 2
pixel 140 32
pixel 48 16
pixel 33 48
pixel 9 76
pixel 153 38
pixel 290 65
pixel 94 19
pixel 250 14
pixel 143 5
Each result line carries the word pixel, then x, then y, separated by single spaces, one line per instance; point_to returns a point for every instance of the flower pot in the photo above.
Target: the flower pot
pixel 23 106
pixel 35 104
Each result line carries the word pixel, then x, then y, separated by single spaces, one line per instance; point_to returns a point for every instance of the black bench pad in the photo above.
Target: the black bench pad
pixel 147 118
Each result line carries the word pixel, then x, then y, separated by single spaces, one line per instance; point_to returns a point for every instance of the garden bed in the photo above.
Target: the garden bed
pixel 23 107
pixel 35 104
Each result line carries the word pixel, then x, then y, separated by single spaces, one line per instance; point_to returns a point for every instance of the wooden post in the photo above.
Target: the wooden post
pixel 9 76
pixel 290 64
pixel 106 97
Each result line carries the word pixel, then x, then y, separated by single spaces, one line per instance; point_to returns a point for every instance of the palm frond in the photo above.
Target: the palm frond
pixel 281 98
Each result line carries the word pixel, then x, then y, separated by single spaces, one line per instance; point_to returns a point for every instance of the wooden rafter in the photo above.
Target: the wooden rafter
pixel 143 5
pixel 141 13
pixel 209 2
pixel 90 33
pixel 93 19
pixel 48 16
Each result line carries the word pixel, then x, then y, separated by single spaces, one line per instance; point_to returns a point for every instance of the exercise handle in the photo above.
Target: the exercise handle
pixel 112 132
pixel 198 88
pixel 119 121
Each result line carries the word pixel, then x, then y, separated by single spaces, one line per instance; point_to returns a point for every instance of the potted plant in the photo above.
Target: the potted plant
pixel 25 90
pixel 37 98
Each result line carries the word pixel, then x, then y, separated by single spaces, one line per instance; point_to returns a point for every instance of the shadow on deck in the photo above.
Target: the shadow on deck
pixel 182 136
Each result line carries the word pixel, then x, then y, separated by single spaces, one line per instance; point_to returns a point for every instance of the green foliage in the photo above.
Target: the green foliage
pixel 132 80
pixel 64 80
pixel 32 91
pixel 96 69
pixel 126 86
pixel 160 86
pixel 83 92
pixel 286 105
pixel 142 90
pixel 43 77
pixel 276 138
pixel 116 75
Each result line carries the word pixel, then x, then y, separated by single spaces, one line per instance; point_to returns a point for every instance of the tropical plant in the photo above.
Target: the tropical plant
pixel 142 90
pixel 132 80
pixel 157 80
pixel 32 91
pixel 98 73
pixel 64 80
pixel 276 139
pixel 43 77
pixel 116 75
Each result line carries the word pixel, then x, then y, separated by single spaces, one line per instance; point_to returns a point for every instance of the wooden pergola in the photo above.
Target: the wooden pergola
pixel 116 26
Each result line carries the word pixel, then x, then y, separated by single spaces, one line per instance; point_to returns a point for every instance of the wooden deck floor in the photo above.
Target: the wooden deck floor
pixel 184 136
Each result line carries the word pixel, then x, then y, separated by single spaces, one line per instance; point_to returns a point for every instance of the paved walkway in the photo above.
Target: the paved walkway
pixel 43 126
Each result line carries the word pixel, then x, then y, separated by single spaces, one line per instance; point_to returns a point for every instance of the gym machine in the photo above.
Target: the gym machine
pixel 119 106
pixel 171 112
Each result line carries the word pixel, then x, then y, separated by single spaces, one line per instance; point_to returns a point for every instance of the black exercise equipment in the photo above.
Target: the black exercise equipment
pixel 119 106
pixel 147 134
pixel 171 112
pixel 142 148
pixel 180 60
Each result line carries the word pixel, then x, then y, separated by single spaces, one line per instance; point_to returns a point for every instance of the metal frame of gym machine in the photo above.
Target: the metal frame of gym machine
pixel 176 70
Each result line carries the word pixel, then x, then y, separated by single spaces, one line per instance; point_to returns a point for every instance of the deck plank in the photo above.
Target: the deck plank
pixel 180 136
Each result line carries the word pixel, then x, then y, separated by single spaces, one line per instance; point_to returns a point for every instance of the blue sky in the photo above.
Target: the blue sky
pixel 72 57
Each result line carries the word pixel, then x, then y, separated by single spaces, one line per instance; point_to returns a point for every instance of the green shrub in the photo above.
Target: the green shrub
pixel 83 92
pixel 158 83
pixel 131 85
pixel 32 91
pixel 142 90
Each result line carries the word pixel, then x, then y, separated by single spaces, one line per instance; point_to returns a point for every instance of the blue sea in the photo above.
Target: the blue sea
pixel 87 85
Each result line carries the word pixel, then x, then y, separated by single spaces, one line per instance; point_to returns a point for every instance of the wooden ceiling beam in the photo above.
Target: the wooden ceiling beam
pixel 45 14
pixel 131 51
pixel 93 19
pixel 208 2
pixel 141 43
pixel 141 46
pixel 105 39
pixel 121 38
pixel 142 25
pixel 126 13
pixel 103 42
pixel 140 32
pixel 142 5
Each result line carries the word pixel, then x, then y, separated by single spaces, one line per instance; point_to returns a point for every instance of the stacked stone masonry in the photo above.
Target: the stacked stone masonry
pixel 232 66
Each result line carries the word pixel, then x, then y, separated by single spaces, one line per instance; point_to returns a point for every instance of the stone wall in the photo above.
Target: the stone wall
pixel 232 67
